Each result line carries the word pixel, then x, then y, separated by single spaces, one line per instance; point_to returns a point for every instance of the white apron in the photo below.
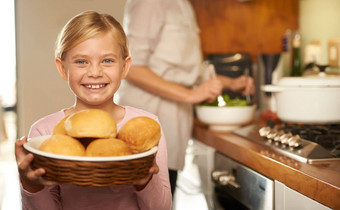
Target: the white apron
pixel 175 55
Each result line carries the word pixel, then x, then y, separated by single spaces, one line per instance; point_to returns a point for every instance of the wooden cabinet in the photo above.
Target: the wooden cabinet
pixel 255 26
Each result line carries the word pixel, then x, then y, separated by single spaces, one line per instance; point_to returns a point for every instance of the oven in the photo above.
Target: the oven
pixel 223 182
pixel 239 187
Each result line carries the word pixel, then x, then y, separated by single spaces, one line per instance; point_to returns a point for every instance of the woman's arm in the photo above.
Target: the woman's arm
pixel 144 78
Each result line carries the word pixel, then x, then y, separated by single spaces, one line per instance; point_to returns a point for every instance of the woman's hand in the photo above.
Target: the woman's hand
pixel 141 184
pixel 242 84
pixel 31 180
pixel 207 91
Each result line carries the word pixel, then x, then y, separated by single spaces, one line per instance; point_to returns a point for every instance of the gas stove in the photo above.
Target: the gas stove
pixel 306 143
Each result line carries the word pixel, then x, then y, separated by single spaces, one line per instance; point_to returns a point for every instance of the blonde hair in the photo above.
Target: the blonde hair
pixel 87 25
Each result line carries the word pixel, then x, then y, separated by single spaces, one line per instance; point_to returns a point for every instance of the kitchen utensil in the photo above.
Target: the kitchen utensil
pixel 248 97
pixel 312 99
pixel 231 65
pixel 225 118
pixel 220 100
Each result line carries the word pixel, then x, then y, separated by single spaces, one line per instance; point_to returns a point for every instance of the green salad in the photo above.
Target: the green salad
pixel 230 102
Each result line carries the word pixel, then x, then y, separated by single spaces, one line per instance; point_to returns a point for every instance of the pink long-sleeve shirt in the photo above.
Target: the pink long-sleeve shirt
pixel 156 195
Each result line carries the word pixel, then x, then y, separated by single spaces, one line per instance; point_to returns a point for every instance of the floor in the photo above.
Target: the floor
pixel 188 193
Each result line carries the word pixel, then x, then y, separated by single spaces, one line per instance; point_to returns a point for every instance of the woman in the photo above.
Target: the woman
pixel 163 79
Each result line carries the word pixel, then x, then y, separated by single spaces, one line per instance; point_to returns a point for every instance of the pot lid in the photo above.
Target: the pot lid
pixel 319 80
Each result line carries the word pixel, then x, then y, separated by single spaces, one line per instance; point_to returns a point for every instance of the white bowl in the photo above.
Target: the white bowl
pixel 225 118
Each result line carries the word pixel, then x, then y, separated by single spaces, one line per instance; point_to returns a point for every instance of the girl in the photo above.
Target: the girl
pixel 93 57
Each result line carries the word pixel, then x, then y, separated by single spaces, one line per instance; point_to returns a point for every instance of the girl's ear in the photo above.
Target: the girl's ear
pixel 61 69
pixel 126 67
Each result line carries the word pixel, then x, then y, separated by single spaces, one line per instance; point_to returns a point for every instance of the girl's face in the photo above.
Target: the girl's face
pixel 94 70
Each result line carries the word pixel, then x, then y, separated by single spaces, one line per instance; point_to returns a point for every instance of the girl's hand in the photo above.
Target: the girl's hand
pixel 31 180
pixel 141 184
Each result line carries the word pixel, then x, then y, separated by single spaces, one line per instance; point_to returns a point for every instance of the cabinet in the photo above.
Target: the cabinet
pixel 288 199
pixel 254 27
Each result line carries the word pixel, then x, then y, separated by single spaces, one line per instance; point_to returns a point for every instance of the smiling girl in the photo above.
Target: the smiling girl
pixel 92 56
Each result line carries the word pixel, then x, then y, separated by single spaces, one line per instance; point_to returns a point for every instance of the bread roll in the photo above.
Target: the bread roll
pixel 140 133
pixel 59 128
pixel 62 145
pixel 107 147
pixel 91 123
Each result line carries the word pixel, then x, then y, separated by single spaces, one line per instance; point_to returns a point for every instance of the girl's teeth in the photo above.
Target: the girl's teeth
pixel 94 86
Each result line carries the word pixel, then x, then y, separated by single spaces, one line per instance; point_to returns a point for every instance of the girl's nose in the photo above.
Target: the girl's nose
pixel 95 71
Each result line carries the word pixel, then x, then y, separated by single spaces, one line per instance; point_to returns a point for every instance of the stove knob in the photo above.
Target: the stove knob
pixel 264 131
pixel 223 178
pixel 294 141
pixel 278 136
pixel 216 174
pixel 271 135
pixel 284 138
pixel 228 180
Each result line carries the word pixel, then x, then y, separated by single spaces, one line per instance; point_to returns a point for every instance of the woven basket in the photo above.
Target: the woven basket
pixel 90 171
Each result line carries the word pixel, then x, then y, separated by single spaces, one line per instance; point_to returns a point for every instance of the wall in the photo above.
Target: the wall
pixel 319 20
pixel 226 25
pixel 257 26
pixel 41 90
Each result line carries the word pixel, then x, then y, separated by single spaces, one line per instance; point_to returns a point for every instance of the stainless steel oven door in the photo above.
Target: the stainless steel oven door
pixel 239 187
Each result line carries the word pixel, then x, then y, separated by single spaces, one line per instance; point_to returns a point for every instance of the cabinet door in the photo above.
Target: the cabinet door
pixel 288 199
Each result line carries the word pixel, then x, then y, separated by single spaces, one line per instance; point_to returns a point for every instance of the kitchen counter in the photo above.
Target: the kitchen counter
pixel 320 182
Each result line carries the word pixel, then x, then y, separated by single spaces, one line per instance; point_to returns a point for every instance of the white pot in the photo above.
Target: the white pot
pixel 307 99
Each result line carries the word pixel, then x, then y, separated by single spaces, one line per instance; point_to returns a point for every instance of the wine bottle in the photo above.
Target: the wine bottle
pixel 296 62
pixel 286 54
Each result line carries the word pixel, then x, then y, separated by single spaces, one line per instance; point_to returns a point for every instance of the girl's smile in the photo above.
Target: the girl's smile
pixel 95 86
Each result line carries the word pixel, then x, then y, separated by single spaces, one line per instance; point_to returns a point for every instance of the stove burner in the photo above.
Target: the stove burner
pixel 306 143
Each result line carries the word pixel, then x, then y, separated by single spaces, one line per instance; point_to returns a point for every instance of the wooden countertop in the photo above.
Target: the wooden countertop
pixel 320 182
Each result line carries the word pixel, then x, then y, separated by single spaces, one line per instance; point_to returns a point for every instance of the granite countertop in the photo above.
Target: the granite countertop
pixel 320 182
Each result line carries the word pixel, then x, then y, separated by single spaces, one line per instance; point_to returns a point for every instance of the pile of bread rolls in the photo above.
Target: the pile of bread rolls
pixel 93 132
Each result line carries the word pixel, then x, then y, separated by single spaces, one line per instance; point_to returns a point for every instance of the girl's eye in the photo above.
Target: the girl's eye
pixel 81 62
pixel 108 61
